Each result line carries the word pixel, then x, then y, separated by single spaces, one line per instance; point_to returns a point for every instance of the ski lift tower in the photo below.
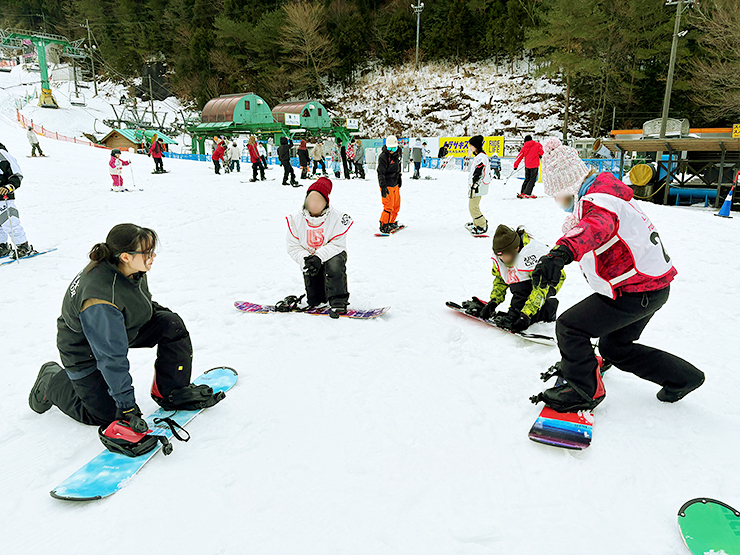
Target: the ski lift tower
pixel 13 38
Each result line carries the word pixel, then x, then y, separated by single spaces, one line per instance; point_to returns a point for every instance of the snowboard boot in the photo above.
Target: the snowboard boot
pixel 469 226
pixel 393 226
pixel 24 249
pixel 38 399
pixel 337 174
pixel 5 249
pixel 475 230
pixel 304 174
pixel 385 228
pixel 294 182
pixel 286 183
pixel 567 397
pixel 336 312
pixel 671 393
pixel 254 180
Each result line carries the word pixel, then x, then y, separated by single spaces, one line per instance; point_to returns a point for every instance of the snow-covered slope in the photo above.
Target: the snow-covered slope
pixel 76 121
pixel 455 100
pixel 402 435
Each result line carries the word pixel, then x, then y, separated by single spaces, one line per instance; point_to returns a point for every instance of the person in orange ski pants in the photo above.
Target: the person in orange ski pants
pixel 389 179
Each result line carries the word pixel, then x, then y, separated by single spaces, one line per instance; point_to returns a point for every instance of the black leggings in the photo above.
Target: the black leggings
pixel 288 172
pixel 618 324
pixel 87 399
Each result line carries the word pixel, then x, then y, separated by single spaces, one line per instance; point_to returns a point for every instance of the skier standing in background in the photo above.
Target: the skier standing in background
pixel 34 140
pixel 531 152
pixel 10 223
pixel 255 159
pixel 115 166
pixel 479 179
pixel 389 179
pixel 263 153
pixel 416 156
pixel 303 159
pixel 624 261
pixel 155 151
pixel 236 157
pixel 218 157
pixel 359 159
pixel 284 157
pixel 317 155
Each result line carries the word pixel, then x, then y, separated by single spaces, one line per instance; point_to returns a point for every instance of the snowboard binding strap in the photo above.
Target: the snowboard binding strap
pixel 289 304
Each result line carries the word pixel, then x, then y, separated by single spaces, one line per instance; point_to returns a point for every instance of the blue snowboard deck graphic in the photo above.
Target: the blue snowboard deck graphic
pixel 108 472
pixel 11 260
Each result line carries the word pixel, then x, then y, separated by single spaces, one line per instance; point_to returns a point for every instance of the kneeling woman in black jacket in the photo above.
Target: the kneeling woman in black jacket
pixel 106 310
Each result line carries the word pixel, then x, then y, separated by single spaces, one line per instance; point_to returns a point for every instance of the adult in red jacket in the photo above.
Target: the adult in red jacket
pixel 623 258
pixel 155 151
pixel 218 157
pixel 531 153
pixel 255 159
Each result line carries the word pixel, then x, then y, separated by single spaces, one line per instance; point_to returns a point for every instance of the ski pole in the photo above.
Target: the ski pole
pixel 12 233
pixel 133 181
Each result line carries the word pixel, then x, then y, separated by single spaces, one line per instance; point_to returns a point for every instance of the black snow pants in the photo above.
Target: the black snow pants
pixel 618 324
pixel 330 284
pixel 87 399
pixel 530 179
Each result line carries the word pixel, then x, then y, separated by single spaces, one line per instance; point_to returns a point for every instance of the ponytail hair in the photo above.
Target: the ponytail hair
pixel 122 238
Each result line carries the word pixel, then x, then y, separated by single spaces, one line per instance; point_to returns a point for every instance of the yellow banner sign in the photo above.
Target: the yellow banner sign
pixel 736 131
pixel 458 146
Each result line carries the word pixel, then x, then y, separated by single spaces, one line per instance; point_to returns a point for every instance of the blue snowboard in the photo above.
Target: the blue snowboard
pixel 108 472
pixel 11 260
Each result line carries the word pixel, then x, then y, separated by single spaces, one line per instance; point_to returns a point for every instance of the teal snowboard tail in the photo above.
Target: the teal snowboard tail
pixel 109 472
pixel 709 526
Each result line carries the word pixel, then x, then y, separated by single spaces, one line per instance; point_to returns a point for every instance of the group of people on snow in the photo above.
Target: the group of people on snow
pixel 108 309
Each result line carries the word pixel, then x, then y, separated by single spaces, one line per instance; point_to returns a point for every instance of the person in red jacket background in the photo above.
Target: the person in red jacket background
pixel 623 259
pixel 256 159
pixel 218 157
pixel 531 153
pixel 155 151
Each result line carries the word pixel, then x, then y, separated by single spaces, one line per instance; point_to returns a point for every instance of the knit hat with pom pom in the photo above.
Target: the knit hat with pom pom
pixel 563 171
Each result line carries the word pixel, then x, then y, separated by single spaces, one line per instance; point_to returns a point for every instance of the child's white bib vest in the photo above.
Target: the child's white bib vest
pixel 526 260
pixel 485 179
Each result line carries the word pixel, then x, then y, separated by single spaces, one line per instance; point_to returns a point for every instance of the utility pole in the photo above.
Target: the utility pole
pixel 672 64
pixel 417 10
pixel 151 99
pixel 92 59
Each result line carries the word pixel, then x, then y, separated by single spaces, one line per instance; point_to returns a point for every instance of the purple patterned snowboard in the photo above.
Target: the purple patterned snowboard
pixel 351 313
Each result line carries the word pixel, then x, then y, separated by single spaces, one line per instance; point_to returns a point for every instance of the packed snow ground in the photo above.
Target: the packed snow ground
pixel 406 434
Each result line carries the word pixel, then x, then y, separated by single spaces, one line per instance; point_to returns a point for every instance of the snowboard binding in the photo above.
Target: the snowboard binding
pixel 289 304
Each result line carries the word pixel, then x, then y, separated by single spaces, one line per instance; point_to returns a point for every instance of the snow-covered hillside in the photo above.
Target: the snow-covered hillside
pixel 401 435
pixel 454 100
pixel 77 121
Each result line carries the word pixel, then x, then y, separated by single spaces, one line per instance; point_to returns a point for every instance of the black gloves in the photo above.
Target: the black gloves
pixel 513 321
pixel 548 269
pixel 133 417
pixel 383 191
pixel 488 310
pixel 399 181
pixel 473 306
pixel 312 265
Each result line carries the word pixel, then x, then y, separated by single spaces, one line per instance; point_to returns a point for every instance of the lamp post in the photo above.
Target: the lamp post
pixel 672 64
pixel 417 10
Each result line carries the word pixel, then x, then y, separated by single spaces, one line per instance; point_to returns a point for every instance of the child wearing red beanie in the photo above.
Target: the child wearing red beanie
pixel 317 241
